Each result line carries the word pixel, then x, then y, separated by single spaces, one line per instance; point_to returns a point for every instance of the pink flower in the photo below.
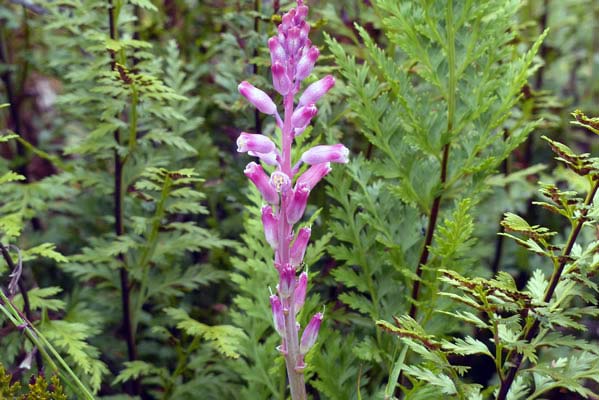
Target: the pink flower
pixel 336 153
pixel 277 52
pixel 306 63
pixel 299 295
pixel 286 281
pixel 293 40
pixel 270 223
pixel 297 205
pixel 280 80
pixel 258 98
pixel 313 175
pixel 315 91
pixel 278 316
pixel 303 115
pixel 257 175
pixel 298 249
pixel 310 333
pixel 301 12
pixel 254 143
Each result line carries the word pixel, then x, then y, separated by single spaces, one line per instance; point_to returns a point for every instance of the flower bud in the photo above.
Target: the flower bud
pixel 304 29
pixel 299 294
pixel 258 98
pixel 287 19
pixel 297 205
pixel 270 223
pixel 303 115
pixel 313 175
pixel 310 333
pixel 255 143
pixel 336 153
pixel 293 40
pixel 286 281
pixel 298 249
pixel 277 314
pixel 280 80
pixel 315 91
pixel 301 12
pixel 306 63
pixel 257 175
pixel 280 181
pixel 277 52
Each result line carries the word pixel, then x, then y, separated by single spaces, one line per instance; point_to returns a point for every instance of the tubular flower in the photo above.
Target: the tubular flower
pixel 286 190
pixel 258 98
pixel 310 333
pixel 278 315
pixel 297 205
pixel 254 143
pixel 313 175
pixel 336 153
pixel 257 175
pixel 303 115
pixel 315 91
pixel 270 222
pixel 300 291
pixel 298 249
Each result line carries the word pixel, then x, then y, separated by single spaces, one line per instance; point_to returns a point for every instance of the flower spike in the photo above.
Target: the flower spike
pixel 286 190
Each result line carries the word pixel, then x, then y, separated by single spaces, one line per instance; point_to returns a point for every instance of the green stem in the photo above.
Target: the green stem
pixel 395 372
pixel 43 346
pixel 181 365
pixel 146 256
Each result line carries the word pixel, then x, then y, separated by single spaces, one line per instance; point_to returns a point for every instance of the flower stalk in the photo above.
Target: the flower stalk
pixel 287 188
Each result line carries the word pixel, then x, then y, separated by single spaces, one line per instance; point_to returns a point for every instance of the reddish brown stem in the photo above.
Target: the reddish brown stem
pixel 430 232
pixel 555 278
pixel 134 388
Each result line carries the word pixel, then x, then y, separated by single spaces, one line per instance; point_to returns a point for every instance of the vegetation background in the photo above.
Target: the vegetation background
pixel 122 194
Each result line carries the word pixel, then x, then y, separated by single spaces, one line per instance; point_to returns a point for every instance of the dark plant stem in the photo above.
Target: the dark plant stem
pixel 430 232
pixel 13 107
pixel 498 250
pixel 451 111
pixel 15 116
pixel 26 303
pixel 499 240
pixel 532 328
pixel 119 164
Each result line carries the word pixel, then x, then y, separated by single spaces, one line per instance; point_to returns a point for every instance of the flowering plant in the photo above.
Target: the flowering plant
pixel 286 190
